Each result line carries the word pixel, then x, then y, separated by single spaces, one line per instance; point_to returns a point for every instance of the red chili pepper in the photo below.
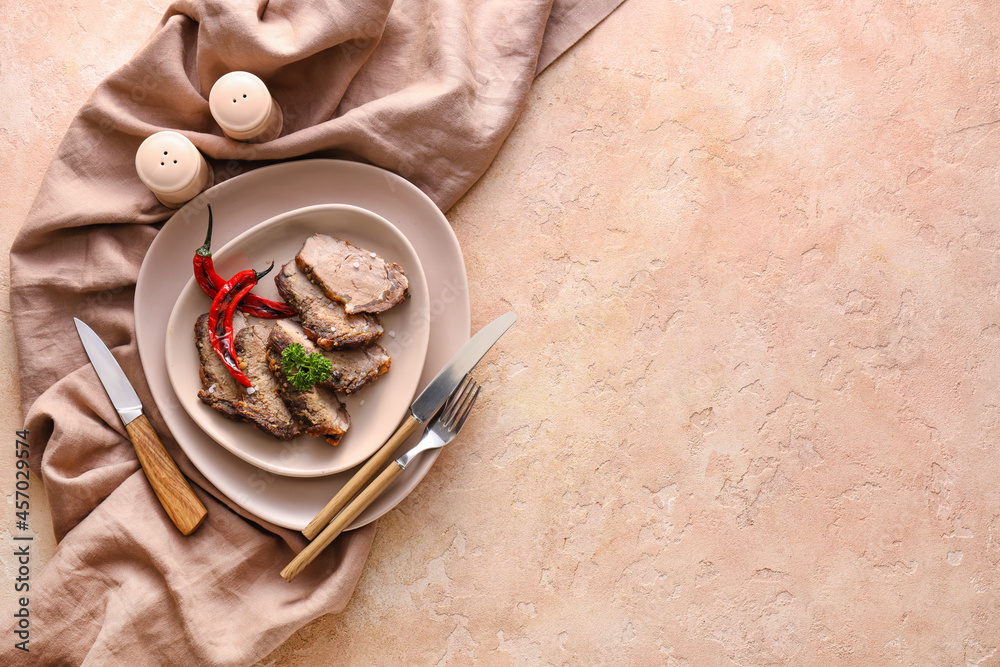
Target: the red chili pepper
pixel 210 283
pixel 204 269
pixel 220 318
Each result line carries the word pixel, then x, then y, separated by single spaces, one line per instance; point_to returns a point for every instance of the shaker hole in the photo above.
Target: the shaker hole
pixel 244 95
pixel 161 164
pixel 175 161
pixel 164 152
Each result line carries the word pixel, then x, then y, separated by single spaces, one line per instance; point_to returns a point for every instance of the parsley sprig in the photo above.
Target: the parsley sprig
pixel 304 370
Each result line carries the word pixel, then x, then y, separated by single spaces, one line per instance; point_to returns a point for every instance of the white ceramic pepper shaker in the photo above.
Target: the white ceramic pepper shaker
pixel 244 109
pixel 172 167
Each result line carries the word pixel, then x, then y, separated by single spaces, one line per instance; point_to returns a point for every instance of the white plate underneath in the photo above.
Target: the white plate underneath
pixel 376 409
pixel 248 200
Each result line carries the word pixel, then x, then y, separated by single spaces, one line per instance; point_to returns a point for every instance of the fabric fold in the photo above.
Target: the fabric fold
pixel 426 88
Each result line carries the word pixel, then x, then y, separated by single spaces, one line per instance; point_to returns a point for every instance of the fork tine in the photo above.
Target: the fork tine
pixel 451 408
pixel 459 390
pixel 466 409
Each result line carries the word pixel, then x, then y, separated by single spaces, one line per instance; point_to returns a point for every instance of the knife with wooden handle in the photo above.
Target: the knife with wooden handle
pixel 184 508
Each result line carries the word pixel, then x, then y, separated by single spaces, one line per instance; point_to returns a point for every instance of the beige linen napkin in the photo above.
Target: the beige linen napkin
pixel 427 88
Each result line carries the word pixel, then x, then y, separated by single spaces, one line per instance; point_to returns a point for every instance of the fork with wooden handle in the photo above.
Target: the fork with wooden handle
pixel 439 433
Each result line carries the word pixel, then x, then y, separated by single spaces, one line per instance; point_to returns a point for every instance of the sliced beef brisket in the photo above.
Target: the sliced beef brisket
pixel 324 320
pixel 361 280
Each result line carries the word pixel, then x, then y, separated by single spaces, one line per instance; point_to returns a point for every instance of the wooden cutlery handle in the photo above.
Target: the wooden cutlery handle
pixel 183 507
pixel 336 527
pixel 379 459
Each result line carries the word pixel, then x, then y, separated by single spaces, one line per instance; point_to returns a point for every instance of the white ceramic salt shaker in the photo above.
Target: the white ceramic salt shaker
pixel 244 109
pixel 172 167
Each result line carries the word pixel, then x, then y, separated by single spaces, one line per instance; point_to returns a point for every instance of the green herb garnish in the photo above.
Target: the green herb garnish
pixel 304 370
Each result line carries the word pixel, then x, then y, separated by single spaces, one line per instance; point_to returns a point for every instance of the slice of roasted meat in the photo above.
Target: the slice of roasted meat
pixel 352 369
pixel 263 407
pixel 219 389
pixel 318 408
pixel 361 280
pixel 324 320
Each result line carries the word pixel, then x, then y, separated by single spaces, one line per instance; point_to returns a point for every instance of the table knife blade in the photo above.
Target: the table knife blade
pixel 184 508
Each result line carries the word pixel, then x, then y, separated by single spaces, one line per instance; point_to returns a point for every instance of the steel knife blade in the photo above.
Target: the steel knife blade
pixel 427 404
pixel 444 383
pixel 184 508
pixel 111 375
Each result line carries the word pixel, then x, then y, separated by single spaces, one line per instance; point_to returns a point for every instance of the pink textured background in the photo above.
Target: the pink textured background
pixel 750 412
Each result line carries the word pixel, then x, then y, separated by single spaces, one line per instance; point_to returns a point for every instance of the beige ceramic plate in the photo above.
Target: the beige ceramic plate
pixel 247 200
pixel 376 409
